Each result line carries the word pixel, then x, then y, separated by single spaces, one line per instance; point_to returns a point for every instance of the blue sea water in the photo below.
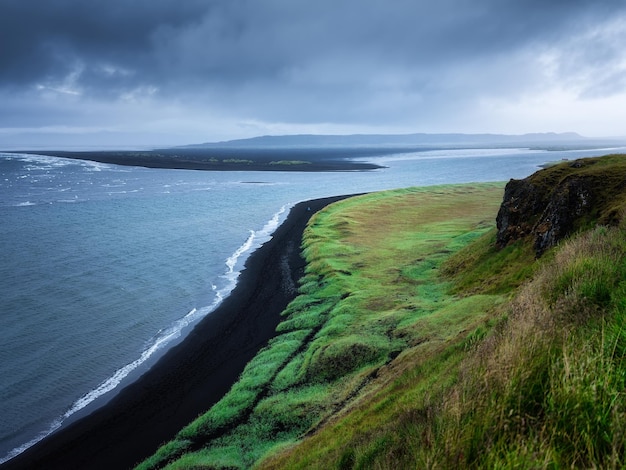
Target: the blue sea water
pixel 104 267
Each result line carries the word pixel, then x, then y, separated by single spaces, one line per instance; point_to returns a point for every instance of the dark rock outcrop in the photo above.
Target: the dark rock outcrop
pixel 555 202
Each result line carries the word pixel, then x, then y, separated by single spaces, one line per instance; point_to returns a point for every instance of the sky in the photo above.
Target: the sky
pixel 121 73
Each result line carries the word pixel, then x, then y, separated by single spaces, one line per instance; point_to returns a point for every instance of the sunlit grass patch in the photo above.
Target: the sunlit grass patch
pixel 450 320
pixel 166 453
pixel 222 415
pixel 480 267
pixel 296 409
pixel 222 457
pixel 334 360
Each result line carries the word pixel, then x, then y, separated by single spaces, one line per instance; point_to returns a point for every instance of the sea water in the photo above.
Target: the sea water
pixel 104 267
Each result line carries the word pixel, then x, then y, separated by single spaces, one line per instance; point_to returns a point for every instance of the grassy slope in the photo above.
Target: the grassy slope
pixel 544 388
pixel 415 344
pixel 371 302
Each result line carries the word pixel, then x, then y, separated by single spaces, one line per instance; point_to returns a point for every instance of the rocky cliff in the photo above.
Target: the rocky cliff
pixel 557 201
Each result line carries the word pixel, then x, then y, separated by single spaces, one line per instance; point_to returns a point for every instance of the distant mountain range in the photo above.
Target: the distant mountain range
pixel 402 140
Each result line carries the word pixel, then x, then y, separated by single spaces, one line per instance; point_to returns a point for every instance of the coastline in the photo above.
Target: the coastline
pixel 192 375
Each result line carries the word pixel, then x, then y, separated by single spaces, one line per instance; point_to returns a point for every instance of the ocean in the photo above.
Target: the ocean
pixel 104 267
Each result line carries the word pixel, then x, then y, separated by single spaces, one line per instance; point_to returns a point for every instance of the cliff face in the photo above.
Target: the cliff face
pixel 555 202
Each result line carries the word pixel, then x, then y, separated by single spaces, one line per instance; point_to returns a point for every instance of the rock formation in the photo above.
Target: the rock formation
pixel 557 201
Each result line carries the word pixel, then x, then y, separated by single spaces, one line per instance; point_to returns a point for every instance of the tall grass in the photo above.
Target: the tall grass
pixel 540 385
pixel 547 389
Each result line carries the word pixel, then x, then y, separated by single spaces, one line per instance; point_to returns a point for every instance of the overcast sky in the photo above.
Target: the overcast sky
pixel 122 72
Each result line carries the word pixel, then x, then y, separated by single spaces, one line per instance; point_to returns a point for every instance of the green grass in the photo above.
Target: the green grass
pixel 548 390
pixel 237 160
pixel 482 268
pixel 290 162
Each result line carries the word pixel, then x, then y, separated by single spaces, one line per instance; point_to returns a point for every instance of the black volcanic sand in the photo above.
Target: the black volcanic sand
pixel 193 375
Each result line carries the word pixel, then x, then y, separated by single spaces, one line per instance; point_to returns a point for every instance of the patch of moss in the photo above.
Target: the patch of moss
pixel 290 162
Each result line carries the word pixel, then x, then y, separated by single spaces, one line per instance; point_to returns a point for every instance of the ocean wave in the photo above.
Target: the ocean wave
pixel 56 424
pixel 160 341
pixel 231 262
pixel 130 191
pixel 255 239
pixel 38 203
pixel 271 226
pixel 47 162
pixel 236 261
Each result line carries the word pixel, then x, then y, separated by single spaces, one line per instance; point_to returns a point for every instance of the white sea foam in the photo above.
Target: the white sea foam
pixel 56 424
pixel 161 340
pixel 271 226
pixel 130 191
pixel 255 240
pixel 231 262
pixel 47 162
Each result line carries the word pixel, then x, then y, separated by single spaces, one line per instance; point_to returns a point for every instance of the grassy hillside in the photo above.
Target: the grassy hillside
pixel 417 343
pixel 544 388
pixel 371 296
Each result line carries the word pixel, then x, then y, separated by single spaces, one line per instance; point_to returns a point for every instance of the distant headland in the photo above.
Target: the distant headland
pixel 310 153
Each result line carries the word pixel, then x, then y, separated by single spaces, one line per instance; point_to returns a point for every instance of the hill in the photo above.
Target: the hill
pixel 426 335
pixel 398 140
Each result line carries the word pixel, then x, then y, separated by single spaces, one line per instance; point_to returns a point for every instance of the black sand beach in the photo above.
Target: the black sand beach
pixel 193 375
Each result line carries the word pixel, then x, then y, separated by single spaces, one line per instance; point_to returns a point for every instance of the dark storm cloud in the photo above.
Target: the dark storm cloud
pixel 126 42
pixel 304 61
pixel 42 39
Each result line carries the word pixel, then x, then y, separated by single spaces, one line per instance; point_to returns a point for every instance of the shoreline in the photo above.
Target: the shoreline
pixel 192 375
